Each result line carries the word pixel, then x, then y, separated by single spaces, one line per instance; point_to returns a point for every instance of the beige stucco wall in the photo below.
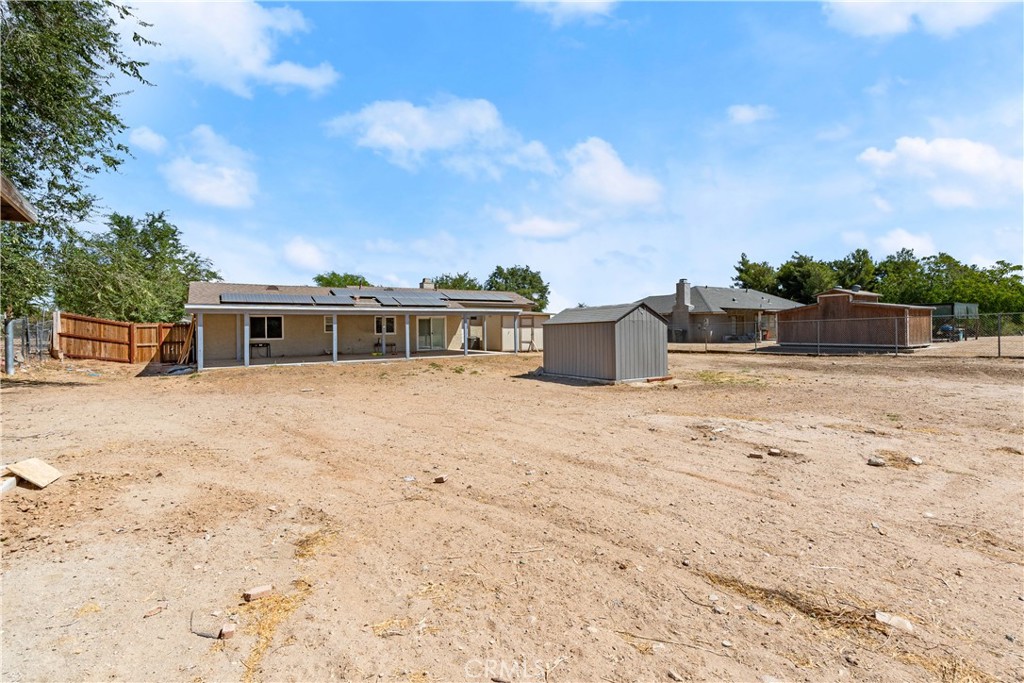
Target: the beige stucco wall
pixel 304 335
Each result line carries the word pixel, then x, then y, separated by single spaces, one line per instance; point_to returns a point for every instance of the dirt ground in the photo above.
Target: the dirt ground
pixel 584 532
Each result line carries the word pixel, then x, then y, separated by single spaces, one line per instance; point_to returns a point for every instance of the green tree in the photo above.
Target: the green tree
pixel 58 127
pixel 139 271
pixel 333 279
pixel 760 276
pixel 457 281
pixel 802 277
pixel 902 279
pixel 59 121
pixel 522 280
pixel 856 268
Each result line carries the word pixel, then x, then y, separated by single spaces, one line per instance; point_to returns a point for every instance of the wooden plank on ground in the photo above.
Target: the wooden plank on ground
pixel 35 471
pixel 8 483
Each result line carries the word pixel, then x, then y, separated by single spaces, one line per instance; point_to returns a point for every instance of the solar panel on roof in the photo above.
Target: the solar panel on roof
pixel 333 301
pixel 479 295
pixel 260 298
pixel 421 299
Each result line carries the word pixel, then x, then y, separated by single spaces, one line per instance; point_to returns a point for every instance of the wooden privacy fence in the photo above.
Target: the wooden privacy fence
pixel 79 336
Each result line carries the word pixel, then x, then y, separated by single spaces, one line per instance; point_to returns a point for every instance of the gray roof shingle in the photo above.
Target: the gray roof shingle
pixel 596 314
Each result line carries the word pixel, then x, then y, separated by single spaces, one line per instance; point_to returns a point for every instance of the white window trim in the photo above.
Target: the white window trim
pixel 384 325
pixel 254 338
pixel 328 324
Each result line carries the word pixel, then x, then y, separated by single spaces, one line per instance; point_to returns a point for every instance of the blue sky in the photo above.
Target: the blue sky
pixel 615 147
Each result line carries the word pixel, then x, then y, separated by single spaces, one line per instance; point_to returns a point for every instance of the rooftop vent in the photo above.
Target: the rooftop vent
pixel 855 288
pixel 273 288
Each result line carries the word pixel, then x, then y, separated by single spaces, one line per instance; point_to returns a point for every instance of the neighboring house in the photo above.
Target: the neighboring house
pixel 607 343
pixel 237 323
pixel 855 318
pixel 716 314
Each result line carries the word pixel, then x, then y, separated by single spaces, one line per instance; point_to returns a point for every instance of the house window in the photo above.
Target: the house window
pixel 328 324
pixel 266 327
pixel 384 324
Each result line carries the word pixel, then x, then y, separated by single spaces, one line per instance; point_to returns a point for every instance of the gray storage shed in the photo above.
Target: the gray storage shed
pixel 607 343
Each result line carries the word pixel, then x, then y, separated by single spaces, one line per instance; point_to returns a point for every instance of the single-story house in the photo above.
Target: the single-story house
pixel 717 314
pixel 607 343
pixel 239 324
pixel 857 319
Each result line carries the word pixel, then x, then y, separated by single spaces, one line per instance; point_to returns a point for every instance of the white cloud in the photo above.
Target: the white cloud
pixel 834 134
pixel 304 255
pixel 212 171
pixel 562 12
pixel 881 204
pixel 968 173
pixel 229 44
pixel 944 19
pixel 854 238
pixel 468 135
pixel 897 239
pixel 597 175
pixel 540 227
pixel 145 138
pixel 748 113
pixel 880 88
pixel 952 197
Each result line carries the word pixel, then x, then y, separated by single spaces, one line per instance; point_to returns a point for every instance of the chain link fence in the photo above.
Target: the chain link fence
pixel 990 335
pixel 32 337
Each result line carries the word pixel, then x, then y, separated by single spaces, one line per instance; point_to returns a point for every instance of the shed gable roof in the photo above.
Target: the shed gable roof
pixel 600 314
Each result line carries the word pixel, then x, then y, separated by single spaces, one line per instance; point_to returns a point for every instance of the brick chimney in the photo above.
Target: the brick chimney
pixel 427 283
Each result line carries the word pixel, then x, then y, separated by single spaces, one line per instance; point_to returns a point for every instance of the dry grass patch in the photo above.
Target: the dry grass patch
pixel 310 545
pixel 718 377
pixel 897 459
pixel 268 613
pixel 391 627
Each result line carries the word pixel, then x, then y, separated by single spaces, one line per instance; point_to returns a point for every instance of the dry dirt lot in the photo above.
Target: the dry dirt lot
pixel 584 533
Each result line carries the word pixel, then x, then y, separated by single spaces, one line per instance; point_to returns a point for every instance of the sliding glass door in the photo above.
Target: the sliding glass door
pixel 430 334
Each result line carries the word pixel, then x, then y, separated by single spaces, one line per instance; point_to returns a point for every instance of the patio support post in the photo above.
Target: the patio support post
pixel 465 335
pixel 199 343
pixel 238 336
pixel 515 332
pixel 408 352
pixel 245 340
pixel 334 338
pixel 484 319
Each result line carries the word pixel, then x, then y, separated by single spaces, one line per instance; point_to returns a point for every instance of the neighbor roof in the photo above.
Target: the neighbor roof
pixel 707 299
pixel 599 314
pixel 208 294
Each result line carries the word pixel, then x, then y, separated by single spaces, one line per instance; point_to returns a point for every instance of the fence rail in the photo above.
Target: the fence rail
pixel 84 337
pixel 990 334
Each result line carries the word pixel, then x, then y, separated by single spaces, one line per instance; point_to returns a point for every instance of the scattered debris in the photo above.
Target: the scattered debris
pixel 726 643
pixel 227 631
pixel 204 632
pixel 8 483
pixel 851 659
pixel 894 621
pixel 718 430
pixel 153 612
pixel 775 452
pixel 876 461
pixel 409 478
pixel 916 460
pixel 756 456
pixel 181 370
pixel 257 592
pixel 674 676
pixel 35 471
pixel 441 478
